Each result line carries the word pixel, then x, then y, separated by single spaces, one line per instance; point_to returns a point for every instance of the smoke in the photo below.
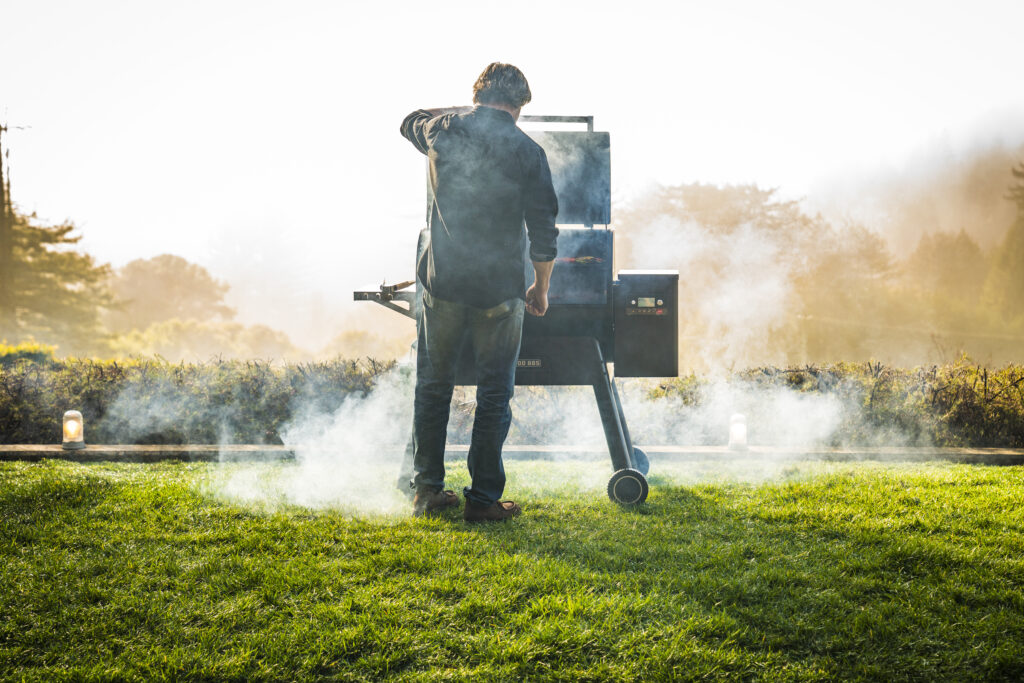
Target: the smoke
pixel 736 291
pixel 581 172
pixel 735 288
pixel 739 291
pixel 786 420
pixel 157 410
pixel 775 416
pixel 736 284
pixel 347 459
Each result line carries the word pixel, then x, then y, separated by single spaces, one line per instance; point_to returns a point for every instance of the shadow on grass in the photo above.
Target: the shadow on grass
pixel 38 493
pixel 854 594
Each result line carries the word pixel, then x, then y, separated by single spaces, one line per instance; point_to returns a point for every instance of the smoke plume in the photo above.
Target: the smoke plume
pixel 346 460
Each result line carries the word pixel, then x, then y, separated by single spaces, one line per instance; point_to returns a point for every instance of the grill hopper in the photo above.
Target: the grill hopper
pixel 592 319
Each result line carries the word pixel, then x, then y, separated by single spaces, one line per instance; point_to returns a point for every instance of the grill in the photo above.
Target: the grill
pixel 594 319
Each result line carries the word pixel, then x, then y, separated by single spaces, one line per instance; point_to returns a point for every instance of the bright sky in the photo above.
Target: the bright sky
pixel 260 138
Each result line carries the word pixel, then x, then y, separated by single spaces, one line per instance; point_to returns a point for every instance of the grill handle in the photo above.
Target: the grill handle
pixel 589 120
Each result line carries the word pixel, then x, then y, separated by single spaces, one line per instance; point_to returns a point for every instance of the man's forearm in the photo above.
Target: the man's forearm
pixel 441 111
pixel 542 274
pixel 537 294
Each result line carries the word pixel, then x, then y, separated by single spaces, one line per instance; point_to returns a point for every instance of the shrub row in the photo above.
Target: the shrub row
pixel 153 401
pixel 957 404
pixel 229 401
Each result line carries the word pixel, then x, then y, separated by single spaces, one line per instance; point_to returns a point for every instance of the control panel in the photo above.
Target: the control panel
pixel 646 305
pixel 646 323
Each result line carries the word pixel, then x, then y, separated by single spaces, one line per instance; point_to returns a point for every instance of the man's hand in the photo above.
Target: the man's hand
pixel 536 300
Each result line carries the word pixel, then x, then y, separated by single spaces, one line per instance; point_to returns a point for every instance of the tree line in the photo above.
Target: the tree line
pixel 762 282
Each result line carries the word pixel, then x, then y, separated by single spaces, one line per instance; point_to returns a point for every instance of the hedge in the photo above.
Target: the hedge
pixel 154 402
pixel 956 404
pixel 149 401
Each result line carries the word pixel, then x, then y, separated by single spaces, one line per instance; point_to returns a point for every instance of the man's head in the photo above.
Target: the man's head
pixel 502 86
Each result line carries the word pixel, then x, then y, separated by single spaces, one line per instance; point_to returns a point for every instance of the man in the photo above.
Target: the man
pixel 488 178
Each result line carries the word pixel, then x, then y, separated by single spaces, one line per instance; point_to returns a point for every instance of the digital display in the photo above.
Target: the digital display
pixel 645 302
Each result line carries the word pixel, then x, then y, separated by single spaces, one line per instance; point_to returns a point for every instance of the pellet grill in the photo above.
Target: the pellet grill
pixel 593 318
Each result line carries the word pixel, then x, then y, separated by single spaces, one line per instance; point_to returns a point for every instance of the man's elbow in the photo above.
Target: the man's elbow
pixel 405 130
pixel 543 254
pixel 408 127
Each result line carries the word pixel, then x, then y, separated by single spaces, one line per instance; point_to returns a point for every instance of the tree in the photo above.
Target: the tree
pixel 55 294
pixel 47 291
pixel 1004 288
pixel 194 340
pixel 165 287
pixel 743 256
pixel 1015 193
pixel 6 247
pixel 951 267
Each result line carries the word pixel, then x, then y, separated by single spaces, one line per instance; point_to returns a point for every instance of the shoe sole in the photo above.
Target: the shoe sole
pixel 432 512
pixel 505 518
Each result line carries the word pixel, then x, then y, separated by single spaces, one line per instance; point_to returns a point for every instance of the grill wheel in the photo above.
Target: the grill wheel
pixel 628 487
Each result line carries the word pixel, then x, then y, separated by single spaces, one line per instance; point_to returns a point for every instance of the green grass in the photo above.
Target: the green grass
pixel 853 571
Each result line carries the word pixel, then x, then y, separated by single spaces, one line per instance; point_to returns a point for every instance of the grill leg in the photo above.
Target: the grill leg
pixel 614 427
pixel 622 421
pixel 405 471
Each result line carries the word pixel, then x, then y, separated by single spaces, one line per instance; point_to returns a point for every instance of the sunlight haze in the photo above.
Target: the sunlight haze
pixel 260 139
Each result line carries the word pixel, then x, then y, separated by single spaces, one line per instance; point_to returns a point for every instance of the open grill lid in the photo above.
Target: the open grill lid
pixel 580 164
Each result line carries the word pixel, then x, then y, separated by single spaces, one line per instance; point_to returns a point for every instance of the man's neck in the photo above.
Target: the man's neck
pixel 514 111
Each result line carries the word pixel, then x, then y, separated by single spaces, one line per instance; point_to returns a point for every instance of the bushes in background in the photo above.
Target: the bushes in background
pixel 230 401
pixel 27 351
pixel 957 404
pixel 153 401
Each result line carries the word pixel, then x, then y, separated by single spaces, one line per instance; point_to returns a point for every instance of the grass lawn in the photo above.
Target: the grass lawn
pixel 848 571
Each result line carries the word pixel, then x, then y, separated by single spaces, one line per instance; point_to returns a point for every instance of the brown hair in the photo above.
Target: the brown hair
pixel 501 84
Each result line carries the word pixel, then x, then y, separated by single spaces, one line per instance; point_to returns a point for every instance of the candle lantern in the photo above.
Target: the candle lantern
pixel 74 437
pixel 738 433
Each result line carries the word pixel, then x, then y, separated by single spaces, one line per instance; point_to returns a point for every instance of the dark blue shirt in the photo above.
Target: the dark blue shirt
pixel 488 179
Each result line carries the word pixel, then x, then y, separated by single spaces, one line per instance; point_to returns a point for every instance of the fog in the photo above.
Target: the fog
pixel 741 283
pixel 260 139
pixel 947 184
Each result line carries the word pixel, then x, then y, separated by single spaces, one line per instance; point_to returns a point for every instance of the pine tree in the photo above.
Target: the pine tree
pixel 48 292
pixel 58 292
pixel 6 246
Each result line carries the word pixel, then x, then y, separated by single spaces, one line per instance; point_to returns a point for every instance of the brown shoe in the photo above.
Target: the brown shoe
pixel 428 502
pixel 495 512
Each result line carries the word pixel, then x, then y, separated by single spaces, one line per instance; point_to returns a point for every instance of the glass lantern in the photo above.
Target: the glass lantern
pixel 74 436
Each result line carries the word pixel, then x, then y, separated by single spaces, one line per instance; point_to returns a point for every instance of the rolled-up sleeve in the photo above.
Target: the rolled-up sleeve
pixel 414 129
pixel 541 210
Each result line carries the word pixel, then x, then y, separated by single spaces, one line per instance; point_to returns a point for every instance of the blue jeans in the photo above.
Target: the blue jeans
pixel 494 335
